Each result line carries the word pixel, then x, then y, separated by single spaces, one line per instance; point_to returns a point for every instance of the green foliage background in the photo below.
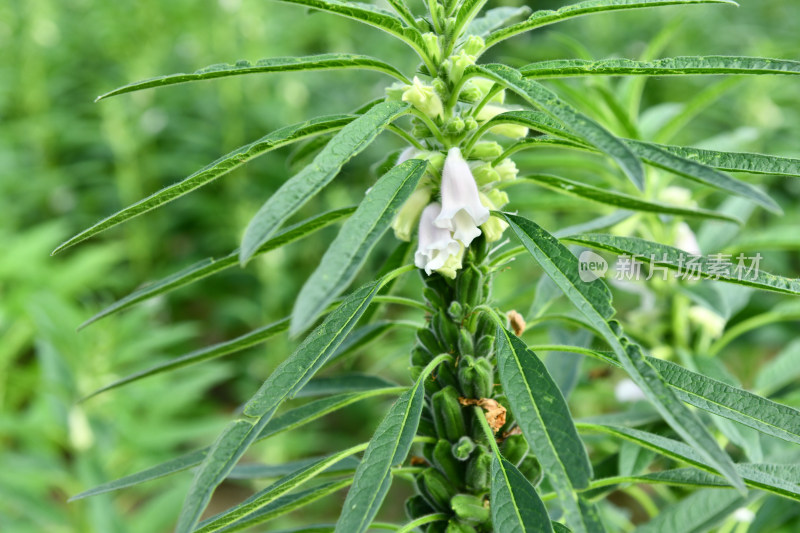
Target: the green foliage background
pixel 66 162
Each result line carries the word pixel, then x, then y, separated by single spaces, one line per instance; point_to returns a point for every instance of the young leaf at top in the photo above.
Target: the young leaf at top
pixel 295 192
pixel 218 168
pixel 581 125
pixel 357 237
pixel 593 300
pixel 276 64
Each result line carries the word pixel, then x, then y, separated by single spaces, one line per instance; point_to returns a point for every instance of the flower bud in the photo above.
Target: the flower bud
pixel 456 65
pixel 507 170
pixel 470 95
pixel 493 229
pixel 424 98
pixel 497 198
pixel 432 47
pixel 485 174
pixel 454 126
pixel 408 216
pixel 486 151
pixel 708 320
pixel 512 131
pixel 471 123
pixel 474 45
pixel 485 86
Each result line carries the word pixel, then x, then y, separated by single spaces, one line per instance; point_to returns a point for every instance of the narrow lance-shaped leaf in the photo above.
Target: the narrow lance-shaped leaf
pixel 620 200
pixel 545 420
pixel 699 512
pixel 717 267
pixel 593 300
pixel 653 154
pixel 495 18
pixel 388 447
pixel 285 381
pixel 671 66
pixel 264 66
pixel 218 168
pixel 356 239
pixel 516 508
pixel 210 266
pixel 295 192
pixel 738 161
pixel 291 419
pixel 584 127
pixel 546 17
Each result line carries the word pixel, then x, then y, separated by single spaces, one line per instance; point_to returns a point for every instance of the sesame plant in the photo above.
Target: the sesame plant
pixel 484 432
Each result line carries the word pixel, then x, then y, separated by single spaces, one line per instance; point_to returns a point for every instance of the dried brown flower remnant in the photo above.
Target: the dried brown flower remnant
pixel 418 461
pixel 517 322
pixel 495 413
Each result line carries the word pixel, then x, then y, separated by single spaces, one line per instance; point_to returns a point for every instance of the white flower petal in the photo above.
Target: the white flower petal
pixel 436 245
pixel 462 210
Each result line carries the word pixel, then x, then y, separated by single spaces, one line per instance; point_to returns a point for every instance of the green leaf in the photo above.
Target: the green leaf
pixel 593 300
pixel 670 66
pixel 286 504
pixel 653 154
pixel 218 168
pixel 495 18
pixel 620 200
pixel 778 479
pixel 210 266
pixel 465 14
pixel 545 420
pixel 545 17
pixel 368 14
pixel 276 64
pixel 389 446
pixel 343 383
pixel 291 419
pixel 516 507
pixel 678 260
pixel 260 471
pixel 290 376
pixel 699 512
pixel 268 495
pixel 295 192
pixel 738 161
pixel 579 124
pixel 356 239
pixel 781 371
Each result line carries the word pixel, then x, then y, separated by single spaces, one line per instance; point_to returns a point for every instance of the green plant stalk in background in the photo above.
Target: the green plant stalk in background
pixel 500 448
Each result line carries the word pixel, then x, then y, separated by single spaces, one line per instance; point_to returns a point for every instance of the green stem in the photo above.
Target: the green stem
pixel 403 134
pixel 437 133
pixel 421 521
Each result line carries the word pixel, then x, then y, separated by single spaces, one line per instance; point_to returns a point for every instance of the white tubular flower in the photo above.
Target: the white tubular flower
pixel 686 240
pixel 462 210
pixel 437 249
pixel 506 130
pixel 424 98
pixel 407 217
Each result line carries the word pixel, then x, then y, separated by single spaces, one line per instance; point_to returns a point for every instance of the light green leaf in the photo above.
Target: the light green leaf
pixel 466 13
pixel 209 173
pixel 388 447
pixel 268 495
pixel 545 17
pixel 368 14
pixel 350 382
pixel 778 479
pixel 593 300
pixel 495 18
pixel 678 260
pixel 356 239
pixel 290 376
pixel 579 124
pixel 699 512
pixel 738 161
pixel 516 507
pixel 620 200
pixel 295 192
pixel 346 466
pixel 653 154
pixel 291 419
pixel 781 371
pixel 670 66
pixel 545 420
pixel 276 64
pixel 210 266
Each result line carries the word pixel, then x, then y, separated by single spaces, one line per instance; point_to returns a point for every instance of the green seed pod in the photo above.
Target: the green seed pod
pixel 437 488
pixel 446 375
pixel 447 415
pixel 468 286
pixel 454 526
pixel 456 311
pixel 446 331
pixel 476 429
pixel 463 448
pixel 427 451
pixel 485 347
pixel 514 449
pixel 433 298
pixel 420 356
pixel 428 340
pixel 470 508
pixel 432 385
pixel 444 461
pixel 416 506
pixel 479 470
pixel 475 377
pixel 531 469
pixel 484 325
pixel 471 95
pixel 465 343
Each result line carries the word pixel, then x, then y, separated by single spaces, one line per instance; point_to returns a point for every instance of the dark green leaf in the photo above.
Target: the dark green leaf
pixel 516 508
